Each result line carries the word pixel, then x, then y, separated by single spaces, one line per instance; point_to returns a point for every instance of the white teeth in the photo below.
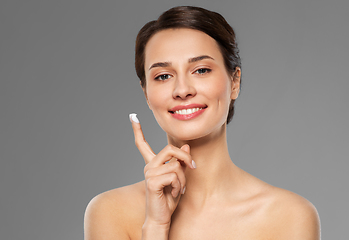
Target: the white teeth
pixel 187 111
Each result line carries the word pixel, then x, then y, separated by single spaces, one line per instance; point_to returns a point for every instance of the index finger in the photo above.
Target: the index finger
pixel 140 141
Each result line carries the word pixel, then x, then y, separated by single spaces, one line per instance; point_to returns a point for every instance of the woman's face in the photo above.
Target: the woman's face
pixel 187 85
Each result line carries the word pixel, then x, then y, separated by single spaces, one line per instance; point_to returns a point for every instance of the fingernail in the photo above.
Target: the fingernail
pixel 193 163
pixel 184 189
pixel 133 117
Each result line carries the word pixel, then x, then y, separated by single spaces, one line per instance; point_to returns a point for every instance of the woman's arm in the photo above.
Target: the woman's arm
pixel 164 183
pixel 151 231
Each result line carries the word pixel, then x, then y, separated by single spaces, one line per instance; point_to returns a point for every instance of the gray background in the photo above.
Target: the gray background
pixel 68 84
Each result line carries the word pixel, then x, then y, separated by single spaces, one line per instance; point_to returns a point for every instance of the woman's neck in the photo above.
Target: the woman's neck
pixel 215 172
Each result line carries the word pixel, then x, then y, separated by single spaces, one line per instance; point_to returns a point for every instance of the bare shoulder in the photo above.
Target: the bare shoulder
pixel 295 216
pixel 285 214
pixel 114 213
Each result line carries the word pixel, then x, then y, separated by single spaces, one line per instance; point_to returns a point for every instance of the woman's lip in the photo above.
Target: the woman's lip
pixel 188 116
pixel 193 105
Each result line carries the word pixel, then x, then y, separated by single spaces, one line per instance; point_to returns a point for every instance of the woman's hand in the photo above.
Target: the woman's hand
pixel 165 182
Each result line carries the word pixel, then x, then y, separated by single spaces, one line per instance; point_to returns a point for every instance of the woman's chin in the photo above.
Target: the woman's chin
pixel 192 135
pixel 182 139
pixel 184 134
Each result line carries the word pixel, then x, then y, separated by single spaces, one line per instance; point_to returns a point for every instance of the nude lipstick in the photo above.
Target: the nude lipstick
pixel 187 112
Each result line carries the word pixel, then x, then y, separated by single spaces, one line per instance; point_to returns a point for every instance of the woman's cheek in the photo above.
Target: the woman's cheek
pixel 156 99
pixel 219 90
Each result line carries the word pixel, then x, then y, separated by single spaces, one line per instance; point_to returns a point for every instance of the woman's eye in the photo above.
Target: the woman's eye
pixel 163 77
pixel 203 70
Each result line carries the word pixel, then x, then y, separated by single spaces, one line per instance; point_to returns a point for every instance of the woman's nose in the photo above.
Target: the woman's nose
pixel 183 88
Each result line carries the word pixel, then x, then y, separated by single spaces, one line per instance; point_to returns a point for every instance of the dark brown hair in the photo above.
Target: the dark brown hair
pixel 211 23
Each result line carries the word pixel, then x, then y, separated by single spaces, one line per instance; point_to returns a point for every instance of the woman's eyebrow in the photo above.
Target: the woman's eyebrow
pixel 160 64
pixel 199 58
pixel 191 60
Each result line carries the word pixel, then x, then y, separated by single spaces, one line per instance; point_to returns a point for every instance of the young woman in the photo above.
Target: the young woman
pixel 190 72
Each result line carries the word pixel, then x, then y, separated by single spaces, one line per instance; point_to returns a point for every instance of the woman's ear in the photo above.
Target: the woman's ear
pixel 145 94
pixel 235 83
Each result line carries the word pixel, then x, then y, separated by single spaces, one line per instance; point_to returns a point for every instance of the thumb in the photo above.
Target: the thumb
pixel 186 148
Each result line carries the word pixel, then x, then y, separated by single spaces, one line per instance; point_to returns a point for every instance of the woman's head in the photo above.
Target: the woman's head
pixel 208 22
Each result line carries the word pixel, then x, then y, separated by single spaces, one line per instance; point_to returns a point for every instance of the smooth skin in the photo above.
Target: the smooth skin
pixel 221 201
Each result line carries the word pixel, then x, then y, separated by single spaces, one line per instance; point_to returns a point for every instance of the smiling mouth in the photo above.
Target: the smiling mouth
pixel 186 111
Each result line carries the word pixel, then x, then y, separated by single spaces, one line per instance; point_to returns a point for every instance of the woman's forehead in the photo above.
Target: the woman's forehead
pixel 177 45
